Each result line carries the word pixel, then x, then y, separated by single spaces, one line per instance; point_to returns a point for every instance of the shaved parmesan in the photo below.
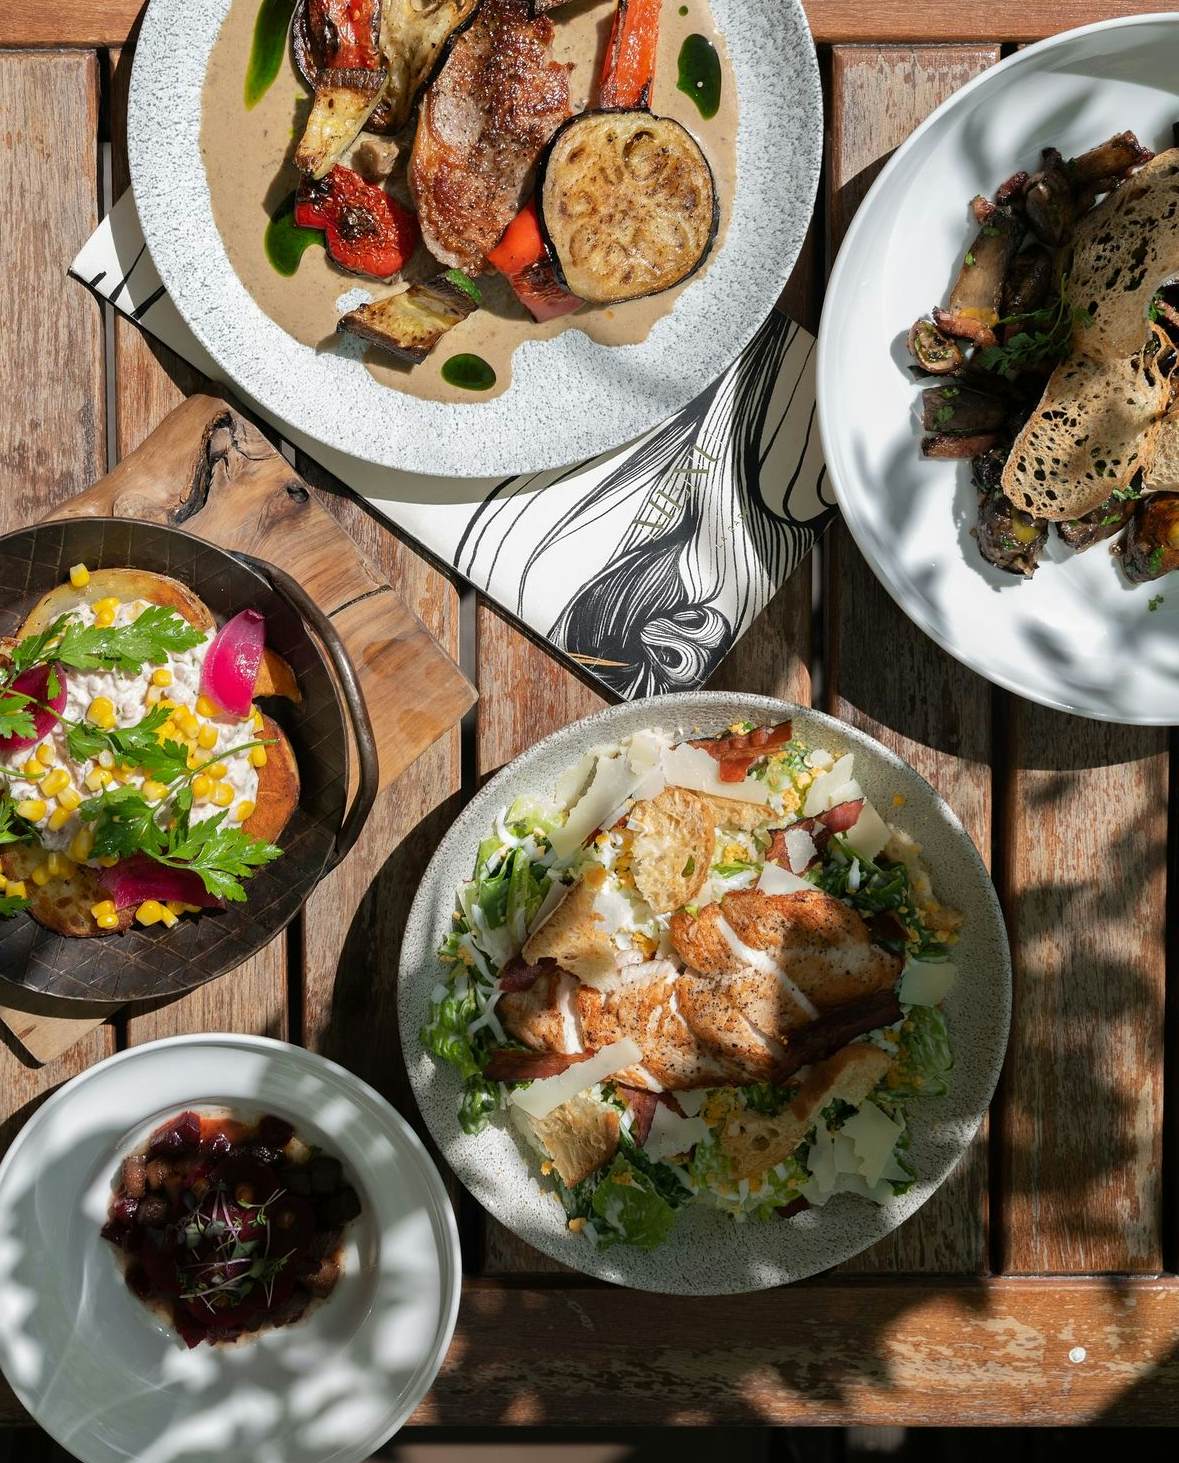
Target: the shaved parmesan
pixel 646 749
pixel 553 896
pixel 926 982
pixel 695 769
pixel 613 781
pixel 539 1098
pixel 874 1136
pixel 819 798
pixel 692 1101
pixel 821 1163
pixel 670 1134
pixel 800 850
pixel 777 880
pixel 869 833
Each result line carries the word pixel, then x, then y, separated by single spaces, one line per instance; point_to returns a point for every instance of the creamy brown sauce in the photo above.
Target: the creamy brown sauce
pixel 247 157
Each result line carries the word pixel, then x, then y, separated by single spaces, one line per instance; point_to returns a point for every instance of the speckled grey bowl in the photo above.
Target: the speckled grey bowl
pixel 709 1254
pixel 570 398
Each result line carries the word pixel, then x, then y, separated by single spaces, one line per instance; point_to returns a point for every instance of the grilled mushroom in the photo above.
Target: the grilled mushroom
pixel 1007 537
pixel 1151 546
pixel 1104 522
pixel 933 351
pixel 1048 200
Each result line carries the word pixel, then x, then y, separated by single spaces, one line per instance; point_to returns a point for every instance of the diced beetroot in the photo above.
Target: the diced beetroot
pixel 232 661
pixel 35 683
pixel 174 1137
pixel 134 879
pixel 275 1132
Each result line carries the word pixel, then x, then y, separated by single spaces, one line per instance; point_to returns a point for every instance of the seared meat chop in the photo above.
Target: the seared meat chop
pixel 812 982
pixel 483 124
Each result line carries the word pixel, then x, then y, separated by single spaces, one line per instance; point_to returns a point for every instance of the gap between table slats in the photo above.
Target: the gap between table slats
pixel 52 369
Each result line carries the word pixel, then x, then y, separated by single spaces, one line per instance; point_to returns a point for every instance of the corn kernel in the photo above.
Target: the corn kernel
pixel 108 860
pixel 207 737
pixel 32 769
pixel 81 845
pixel 152 696
pixel 194 760
pixel 244 810
pixel 55 782
pixel 3 884
pixel 32 809
pixel 104 619
pixel 217 770
pixel 97 778
pixel 155 791
pixel 169 703
pixel 256 718
pixel 577 1225
pixel 47 754
pixel 161 677
pixel 16 887
pixel 41 875
pixel 107 921
pixel 102 712
pixel 58 864
pixel 69 799
pixel 150 912
pixel 546 1168
pixel 106 758
pixel 202 786
pixel 206 707
pixel 258 757
pixel 79 576
pixel 58 819
pixel 178 906
pixel 222 795
pixel 108 602
pixel 105 906
pixel 898 800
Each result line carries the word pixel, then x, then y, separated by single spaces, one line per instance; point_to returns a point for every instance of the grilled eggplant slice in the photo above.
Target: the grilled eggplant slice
pixel 414 36
pixel 628 204
pixel 335 47
pixel 412 323
pixel 344 101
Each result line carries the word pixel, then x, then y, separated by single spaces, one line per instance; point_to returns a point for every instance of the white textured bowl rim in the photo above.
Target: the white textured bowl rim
pixel 442 1211
pixel 574 398
pixel 873 548
pixel 724 1263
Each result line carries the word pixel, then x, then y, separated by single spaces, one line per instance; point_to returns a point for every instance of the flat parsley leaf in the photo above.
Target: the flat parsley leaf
pixel 220 855
pixel 138 745
pixel 33 649
pixel 148 639
pixel 124 823
pixel 13 828
pixel 16 720
pixel 11 904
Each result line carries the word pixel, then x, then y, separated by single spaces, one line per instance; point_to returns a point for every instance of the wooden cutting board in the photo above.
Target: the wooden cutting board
pixel 209 471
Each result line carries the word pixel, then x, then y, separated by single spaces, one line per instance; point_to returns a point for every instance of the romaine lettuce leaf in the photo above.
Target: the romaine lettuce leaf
pixel 924 1058
pixel 629 1209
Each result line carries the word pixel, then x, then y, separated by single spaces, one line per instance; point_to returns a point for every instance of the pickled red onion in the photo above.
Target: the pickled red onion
pixel 232 661
pixel 134 879
pixel 35 683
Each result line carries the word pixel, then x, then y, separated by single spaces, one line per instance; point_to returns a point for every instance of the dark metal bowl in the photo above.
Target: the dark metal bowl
pixel 147 963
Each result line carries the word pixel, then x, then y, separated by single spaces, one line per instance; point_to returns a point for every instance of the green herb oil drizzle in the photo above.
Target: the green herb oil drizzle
pixel 472 373
pixel 285 240
pixel 270 41
pixel 700 74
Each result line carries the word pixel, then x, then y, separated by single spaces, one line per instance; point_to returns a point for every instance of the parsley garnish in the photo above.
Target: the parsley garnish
pixel 1153 604
pixel 969 260
pixel 16 720
pixel 1046 336
pixel 689 868
pixel 148 639
pixel 138 745
pixel 11 904
pixel 1155 561
pixel 1126 495
pixel 943 415
pixel 13 828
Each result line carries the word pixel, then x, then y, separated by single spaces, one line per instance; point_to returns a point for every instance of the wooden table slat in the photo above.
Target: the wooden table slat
pixel 52 372
pixel 924 706
pixel 107 22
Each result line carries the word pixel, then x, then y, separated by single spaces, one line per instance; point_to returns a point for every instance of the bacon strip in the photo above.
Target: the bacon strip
pixel 642 1103
pixel 796 1206
pixel 738 752
pixel 825 1036
pixel 516 1066
pixel 518 975
pixel 821 828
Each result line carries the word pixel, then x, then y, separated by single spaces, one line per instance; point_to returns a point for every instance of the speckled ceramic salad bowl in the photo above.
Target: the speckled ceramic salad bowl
pixel 156 961
pixel 707 1252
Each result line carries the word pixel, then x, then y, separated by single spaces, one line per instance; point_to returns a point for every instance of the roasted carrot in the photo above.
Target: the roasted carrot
pixel 628 74
pixel 522 257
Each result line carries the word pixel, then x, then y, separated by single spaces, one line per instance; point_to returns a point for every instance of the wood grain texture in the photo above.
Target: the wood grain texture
pixel 884 676
pixel 1084 887
pixel 52 380
pixel 107 22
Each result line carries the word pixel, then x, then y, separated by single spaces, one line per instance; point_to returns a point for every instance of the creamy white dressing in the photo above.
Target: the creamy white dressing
pixel 127 692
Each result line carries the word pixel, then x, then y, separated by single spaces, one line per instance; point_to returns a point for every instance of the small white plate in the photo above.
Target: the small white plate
pixel 570 398
pixel 707 1253
pixel 111 1382
pixel 1078 636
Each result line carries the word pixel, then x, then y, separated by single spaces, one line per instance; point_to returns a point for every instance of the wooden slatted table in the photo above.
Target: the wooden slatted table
pixel 1037 1285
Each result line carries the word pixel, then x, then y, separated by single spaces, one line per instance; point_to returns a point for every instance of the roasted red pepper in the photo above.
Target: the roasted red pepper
pixel 345 33
pixel 368 232
pixel 629 70
pixel 522 258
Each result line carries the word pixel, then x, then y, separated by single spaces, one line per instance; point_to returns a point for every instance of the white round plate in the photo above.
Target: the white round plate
pixel 709 1254
pixel 570 398
pixel 1078 636
pixel 109 1381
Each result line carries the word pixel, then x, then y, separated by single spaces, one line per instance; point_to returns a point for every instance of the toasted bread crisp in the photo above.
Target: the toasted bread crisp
pixel 581 1136
pixel 755 1142
pixel 575 934
pixel 278 786
pixel 120 584
pixel 737 816
pixel 674 840
pixel 63 905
